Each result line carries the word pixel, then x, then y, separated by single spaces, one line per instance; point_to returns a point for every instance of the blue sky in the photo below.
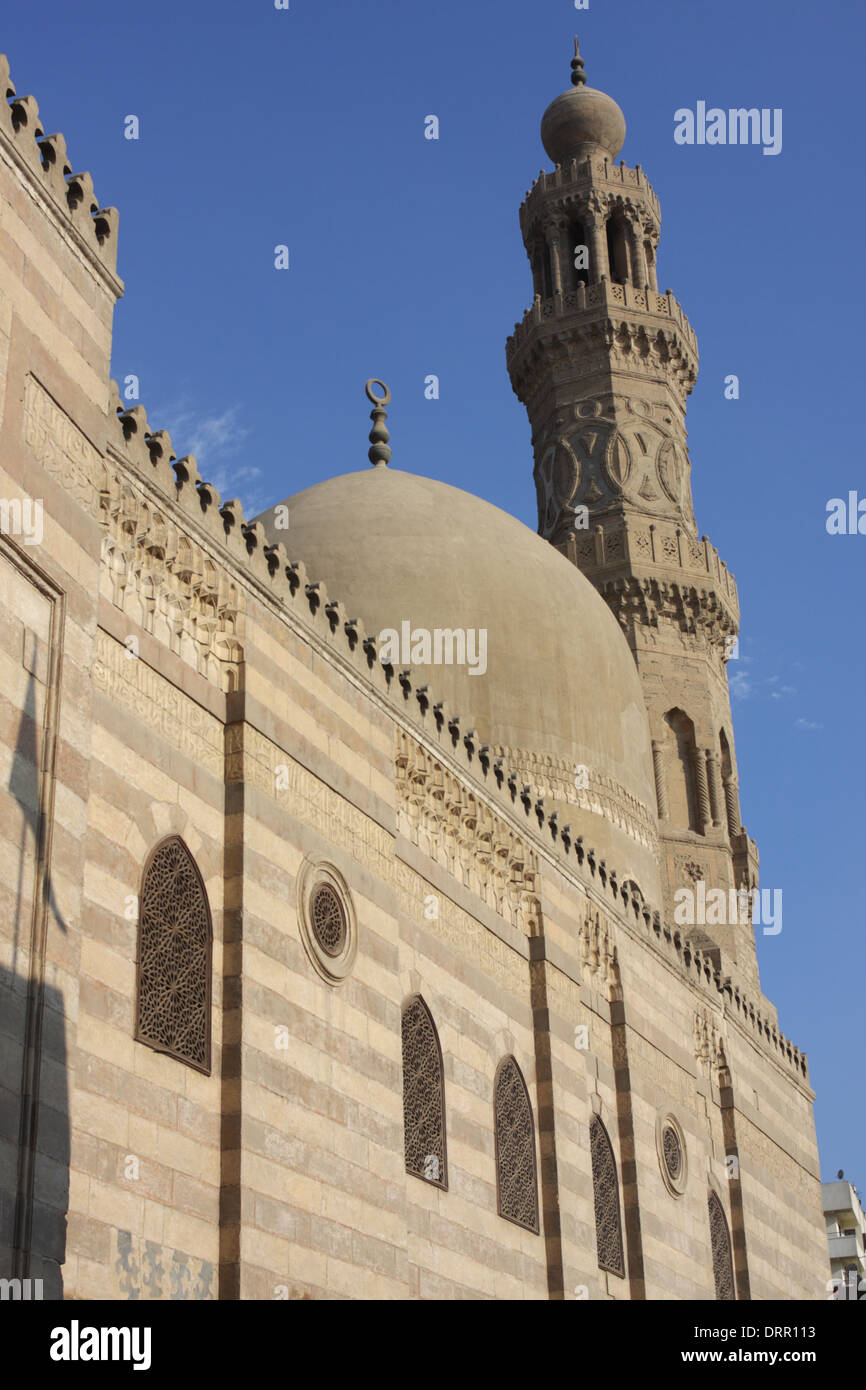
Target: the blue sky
pixel 305 127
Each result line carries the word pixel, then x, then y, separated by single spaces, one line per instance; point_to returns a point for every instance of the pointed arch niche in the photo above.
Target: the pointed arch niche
pixel 681 754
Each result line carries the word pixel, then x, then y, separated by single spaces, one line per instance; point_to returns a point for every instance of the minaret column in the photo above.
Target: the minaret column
pixel 732 802
pixel 704 820
pixel 661 780
pixel 650 263
pixel 555 237
pixel 639 272
pixel 717 798
pixel 598 264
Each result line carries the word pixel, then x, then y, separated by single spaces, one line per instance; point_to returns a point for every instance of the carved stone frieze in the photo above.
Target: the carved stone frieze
pixel 152 569
pixel 448 822
pixel 135 687
pixel 60 447
pixel 255 760
pixel 466 937
pixel 156 572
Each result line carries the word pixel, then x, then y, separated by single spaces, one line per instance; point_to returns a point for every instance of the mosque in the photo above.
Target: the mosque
pixel 339 860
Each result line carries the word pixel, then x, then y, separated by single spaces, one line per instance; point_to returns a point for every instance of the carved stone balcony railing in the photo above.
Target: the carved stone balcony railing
pixel 606 295
pixel 643 543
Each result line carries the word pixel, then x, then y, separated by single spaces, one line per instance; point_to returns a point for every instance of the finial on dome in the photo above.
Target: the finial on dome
pixel 578 76
pixel 379 454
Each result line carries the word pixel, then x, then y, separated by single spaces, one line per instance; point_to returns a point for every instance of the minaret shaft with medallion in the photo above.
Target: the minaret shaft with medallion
pixel 604 363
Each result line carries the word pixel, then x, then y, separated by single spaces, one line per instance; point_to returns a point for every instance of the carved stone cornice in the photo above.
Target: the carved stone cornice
pixel 650 601
pixel 580 332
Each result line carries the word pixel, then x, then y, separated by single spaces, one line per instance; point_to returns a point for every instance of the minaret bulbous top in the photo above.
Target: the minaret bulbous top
pixel 582 121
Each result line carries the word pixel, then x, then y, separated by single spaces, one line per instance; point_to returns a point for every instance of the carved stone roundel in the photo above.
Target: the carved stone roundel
pixel 671 471
pixel 557 479
pixel 671 1145
pixel 673 1155
pixel 566 474
pixel 618 461
pixel 544 489
pixel 326 919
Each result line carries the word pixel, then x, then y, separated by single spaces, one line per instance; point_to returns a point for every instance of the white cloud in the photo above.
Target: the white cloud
pixel 802 723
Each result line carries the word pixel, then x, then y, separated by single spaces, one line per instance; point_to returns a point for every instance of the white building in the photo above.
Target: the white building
pixel 846 1236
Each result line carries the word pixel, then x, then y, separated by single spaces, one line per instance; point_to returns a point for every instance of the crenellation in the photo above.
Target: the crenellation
pixel 47 159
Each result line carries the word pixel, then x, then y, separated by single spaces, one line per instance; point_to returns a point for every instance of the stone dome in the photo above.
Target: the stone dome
pixel 582 121
pixel 560 690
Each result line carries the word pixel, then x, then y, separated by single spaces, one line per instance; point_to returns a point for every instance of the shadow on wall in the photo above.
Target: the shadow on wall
pixel 34 1086
pixel 34 1134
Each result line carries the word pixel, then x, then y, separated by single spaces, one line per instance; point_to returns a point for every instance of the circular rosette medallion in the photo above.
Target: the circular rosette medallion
pixel 671 1144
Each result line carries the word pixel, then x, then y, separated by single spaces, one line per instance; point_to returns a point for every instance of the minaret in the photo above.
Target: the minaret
pixel 604 363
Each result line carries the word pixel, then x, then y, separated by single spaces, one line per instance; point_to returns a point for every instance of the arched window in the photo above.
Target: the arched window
pixel 720 1242
pixel 680 766
pixel 173 984
pixel 423 1096
pixel 516 1184
pixel 608 1226
pixel 617 251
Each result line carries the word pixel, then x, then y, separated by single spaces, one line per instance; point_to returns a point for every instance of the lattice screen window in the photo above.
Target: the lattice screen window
pixel 516 1184
pixel 328 919
pixel 608 1225
pixel 174 957
pixel 423 1096
pixel 720 1241
pixel 673 1154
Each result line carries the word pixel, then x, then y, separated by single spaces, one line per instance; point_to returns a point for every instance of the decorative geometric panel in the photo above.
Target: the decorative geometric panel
pixel 720 1241
pixel 423 1096
pixel 517 1188
pixel 608 1226
pixel 328 919
pixel 174 957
